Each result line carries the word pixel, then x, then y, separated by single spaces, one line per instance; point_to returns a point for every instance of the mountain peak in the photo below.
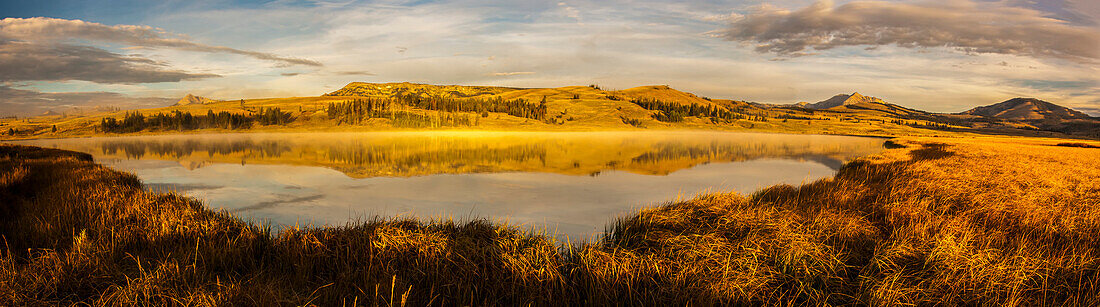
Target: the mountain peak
pixel 1021 108
pixel 843 100
pixel 192 99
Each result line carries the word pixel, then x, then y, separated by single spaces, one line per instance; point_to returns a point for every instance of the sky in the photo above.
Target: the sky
pixel 939 56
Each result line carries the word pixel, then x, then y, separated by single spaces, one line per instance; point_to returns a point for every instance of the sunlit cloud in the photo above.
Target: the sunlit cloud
pixel 972 27
pixel 42 29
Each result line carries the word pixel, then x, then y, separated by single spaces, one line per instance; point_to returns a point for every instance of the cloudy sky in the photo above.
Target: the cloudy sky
pixel 942 56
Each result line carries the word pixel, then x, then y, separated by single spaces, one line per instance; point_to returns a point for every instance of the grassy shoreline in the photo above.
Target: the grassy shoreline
pixel 992 221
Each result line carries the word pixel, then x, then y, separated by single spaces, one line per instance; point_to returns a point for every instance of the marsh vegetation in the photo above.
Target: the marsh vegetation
pixel 933 221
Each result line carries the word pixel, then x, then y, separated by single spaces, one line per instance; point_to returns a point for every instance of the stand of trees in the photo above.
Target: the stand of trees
pixel 632 121
pixel 675 112
pixel 359 110
pixel 356 111
pixel 514 107
pixel 926 125
pixel 273 116
pixel 403 119
pixel 180 121
pixel 790 116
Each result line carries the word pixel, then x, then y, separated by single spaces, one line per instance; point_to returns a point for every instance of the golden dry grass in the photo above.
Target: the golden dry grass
pixel 931 221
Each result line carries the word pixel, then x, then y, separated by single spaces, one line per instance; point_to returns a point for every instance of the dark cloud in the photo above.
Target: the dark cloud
pixel 41 29
pixel 24 102
pixel 973 27
pixel 23 61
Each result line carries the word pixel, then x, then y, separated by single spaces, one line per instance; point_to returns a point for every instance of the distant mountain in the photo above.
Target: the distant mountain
pixel 1027 109
pixel 843 100
pixel 857 103
pixel 50 113
pixel 192 99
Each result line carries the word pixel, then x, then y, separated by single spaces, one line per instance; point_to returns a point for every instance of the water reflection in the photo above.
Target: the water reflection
pixel 570 182
pixel 416 154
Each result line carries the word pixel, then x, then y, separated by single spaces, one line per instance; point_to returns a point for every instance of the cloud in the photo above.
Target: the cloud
pixel 43 29
pixel 1094 112
pixel 1048 85
pixel 354 73
pixel 512 73
pixel 24 102
pixel 971 27
pixel 21 61
pixel 570 11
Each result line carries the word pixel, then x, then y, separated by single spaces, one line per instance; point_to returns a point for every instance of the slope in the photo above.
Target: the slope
pixel 1027 109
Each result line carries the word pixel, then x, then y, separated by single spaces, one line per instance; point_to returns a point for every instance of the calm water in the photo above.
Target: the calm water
pixel 569 183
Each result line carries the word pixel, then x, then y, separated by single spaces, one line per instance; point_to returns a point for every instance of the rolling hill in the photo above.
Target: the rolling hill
pixel 857 103
pixel 843 100
pixel 192 99
pixel 361 106
pixel 1027 109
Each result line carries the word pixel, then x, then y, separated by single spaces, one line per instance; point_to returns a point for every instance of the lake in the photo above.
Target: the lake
pixel 567 183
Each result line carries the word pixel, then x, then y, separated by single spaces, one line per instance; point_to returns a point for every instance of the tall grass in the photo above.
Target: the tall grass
pixel 948 222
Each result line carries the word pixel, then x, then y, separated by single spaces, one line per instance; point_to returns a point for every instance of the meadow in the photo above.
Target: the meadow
pixel 934 220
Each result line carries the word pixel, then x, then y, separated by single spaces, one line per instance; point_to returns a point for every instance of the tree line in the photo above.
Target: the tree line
pixel 925 125
pixel 180 121
pixel 516 107
pixel 358 110
pixel 675 112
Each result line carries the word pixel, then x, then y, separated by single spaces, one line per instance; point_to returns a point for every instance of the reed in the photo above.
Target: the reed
pixel 929 221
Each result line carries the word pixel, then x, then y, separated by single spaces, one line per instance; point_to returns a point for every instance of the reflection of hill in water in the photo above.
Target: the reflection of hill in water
pixel 137 148
pixel 414 154
pixel 717 151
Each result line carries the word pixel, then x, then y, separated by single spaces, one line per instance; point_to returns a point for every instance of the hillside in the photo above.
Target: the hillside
pixel 1027 109
pixel 843 100
pixel 857 103
pixel 192 99
pixel 363 89
pixel 363 106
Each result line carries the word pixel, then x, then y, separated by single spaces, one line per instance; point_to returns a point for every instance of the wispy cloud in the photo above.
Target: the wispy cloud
pixel 512 73
pixel 42 29
pixel 972 27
